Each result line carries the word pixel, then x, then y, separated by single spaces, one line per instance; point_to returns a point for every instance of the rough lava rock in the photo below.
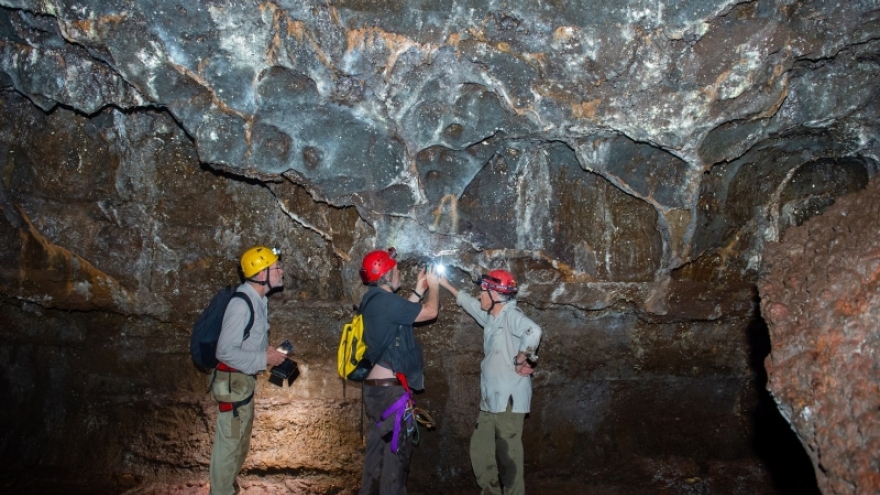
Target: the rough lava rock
pixel 627 160
pixel 821 299
pixel 394 110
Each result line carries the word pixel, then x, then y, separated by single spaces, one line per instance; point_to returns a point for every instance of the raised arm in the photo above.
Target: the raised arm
pixel 445 283
pixel 431 308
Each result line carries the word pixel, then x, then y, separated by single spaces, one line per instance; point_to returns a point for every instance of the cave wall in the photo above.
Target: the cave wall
pixel 819 295
pixel 628 162
pixel 166 231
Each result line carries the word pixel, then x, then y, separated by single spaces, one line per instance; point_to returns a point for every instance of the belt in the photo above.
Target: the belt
pixel 383 382
pixel 230 369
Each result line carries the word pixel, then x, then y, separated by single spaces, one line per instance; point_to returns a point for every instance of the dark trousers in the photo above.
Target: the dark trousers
pixel 384 471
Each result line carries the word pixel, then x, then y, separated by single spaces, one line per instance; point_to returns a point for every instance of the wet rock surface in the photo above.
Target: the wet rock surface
pixel 628 162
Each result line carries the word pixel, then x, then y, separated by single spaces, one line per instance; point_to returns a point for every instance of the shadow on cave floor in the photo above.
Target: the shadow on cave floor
pixel 774 441
pixel 52 481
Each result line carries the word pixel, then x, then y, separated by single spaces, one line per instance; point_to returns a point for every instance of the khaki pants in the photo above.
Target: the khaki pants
pixel 232 441
pixel 497 453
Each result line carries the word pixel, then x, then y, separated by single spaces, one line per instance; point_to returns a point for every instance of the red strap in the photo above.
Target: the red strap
pixel 223 367
pixel 224 406
pixel 402 379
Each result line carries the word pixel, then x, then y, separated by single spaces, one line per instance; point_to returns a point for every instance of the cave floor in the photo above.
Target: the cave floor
pixel 71 484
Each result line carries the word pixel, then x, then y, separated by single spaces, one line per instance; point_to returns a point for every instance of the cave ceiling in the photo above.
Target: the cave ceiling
pixel 630 144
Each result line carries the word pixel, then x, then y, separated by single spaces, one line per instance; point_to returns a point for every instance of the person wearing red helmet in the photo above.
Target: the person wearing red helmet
pixel 389 319
pixel 510 341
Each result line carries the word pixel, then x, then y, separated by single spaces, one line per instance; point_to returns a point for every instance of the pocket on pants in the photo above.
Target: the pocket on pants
pixel 232 386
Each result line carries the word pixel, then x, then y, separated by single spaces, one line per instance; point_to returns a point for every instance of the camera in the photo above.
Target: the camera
pixel 285 348
pixel 286 371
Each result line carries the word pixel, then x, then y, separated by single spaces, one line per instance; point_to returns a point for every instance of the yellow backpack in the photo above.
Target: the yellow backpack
pixel 350 362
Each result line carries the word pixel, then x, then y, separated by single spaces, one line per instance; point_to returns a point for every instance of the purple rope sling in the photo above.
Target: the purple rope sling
pixel 401 409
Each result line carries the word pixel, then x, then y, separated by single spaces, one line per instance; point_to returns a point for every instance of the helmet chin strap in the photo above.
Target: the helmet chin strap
pixel 387 282
pixel 263 282
pixel 494 302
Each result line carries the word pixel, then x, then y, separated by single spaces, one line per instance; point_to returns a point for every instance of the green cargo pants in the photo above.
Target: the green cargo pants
pixel 497 453
pixel 232 439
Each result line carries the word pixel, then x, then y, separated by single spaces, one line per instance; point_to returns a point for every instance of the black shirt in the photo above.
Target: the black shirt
pixel 388 333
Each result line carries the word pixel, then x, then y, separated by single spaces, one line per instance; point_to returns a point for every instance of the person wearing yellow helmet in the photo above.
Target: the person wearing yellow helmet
pixel 257 259
pixel 243 354
pixel 510 341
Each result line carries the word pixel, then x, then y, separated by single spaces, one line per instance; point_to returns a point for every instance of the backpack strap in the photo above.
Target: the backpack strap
pixel 250 324
pixel 247 333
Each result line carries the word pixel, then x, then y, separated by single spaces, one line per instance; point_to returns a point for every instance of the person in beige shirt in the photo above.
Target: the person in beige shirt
pixel 510 343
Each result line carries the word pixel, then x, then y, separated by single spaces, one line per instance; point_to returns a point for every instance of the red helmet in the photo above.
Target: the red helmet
pixel 500 281
pixel 377 263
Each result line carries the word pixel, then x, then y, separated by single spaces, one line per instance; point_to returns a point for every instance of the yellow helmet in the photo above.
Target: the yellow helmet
pixel 257 259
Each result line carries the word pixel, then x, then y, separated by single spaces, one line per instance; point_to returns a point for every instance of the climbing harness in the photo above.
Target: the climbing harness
pixel 223 406
pixel 405 413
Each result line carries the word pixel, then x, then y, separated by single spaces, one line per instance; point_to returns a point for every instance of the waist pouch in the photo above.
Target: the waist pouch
pixel 232 386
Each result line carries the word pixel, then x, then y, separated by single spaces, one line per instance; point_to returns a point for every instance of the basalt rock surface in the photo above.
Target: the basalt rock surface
pixel 457 126
pixel 628 161
pixel 822 303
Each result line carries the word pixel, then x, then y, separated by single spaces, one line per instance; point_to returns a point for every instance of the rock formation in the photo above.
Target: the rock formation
pixel 628 161
pixel 821 300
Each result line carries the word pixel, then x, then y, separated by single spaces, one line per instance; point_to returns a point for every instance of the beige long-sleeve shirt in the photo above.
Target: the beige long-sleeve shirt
pixel 504 336
pixel 249 355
